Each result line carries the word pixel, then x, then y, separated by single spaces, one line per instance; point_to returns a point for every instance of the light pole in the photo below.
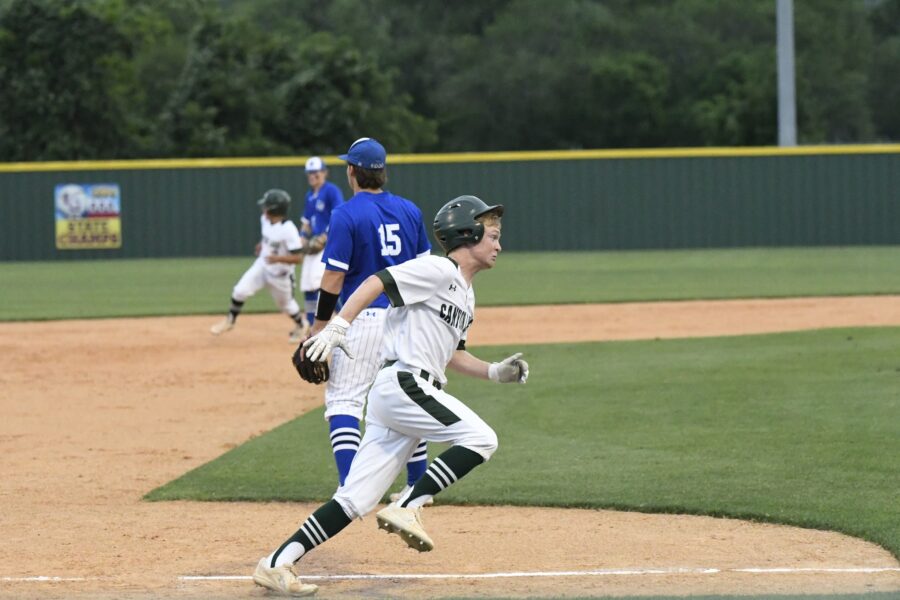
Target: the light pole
pixel 787 105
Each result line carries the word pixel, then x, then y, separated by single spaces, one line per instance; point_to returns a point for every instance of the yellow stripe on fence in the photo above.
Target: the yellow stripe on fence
pixel 455 157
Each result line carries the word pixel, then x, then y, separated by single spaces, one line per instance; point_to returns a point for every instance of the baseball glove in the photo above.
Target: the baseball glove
pixel 315 244
pixel 309 370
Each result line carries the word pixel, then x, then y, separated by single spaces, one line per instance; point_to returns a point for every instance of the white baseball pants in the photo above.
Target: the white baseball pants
pixel 257 278
pixel 345 392
pixel 312 272
pixel 404 408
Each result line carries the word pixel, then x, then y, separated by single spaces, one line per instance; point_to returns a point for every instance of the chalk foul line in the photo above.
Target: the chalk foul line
pixel 588 573
pixel 503 575
pixel 44 578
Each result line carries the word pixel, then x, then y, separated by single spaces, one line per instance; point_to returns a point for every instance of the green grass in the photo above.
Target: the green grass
pixel 799 428
pixel 111 288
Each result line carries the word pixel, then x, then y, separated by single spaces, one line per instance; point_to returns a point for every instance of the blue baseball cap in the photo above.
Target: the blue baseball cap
pixel 366 153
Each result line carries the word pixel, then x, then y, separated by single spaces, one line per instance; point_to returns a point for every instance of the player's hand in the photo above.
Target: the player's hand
pixel 257 250
pixel 509 370
pixel 316 244
pixel 320 346
pixel 317 327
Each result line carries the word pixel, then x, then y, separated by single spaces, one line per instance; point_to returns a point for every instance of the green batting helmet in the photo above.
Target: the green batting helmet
pixel 455 224
pixel 275 202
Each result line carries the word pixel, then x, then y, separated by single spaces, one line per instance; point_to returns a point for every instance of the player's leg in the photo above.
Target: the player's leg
pixel 250 282
pixel 310 281
pixel 324 523
pixel 381 457
pixel 348 384
pixel 310 301
pixel 345 439
pixel 446 469
pixel 452 422
pixel 413 406
pixel 282 291
pixel 415 468
pixel 346 390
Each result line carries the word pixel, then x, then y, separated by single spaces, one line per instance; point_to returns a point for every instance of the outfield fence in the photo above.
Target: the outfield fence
pixel 565 200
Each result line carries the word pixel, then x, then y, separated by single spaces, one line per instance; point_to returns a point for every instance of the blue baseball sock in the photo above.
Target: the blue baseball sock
pixel 345 439
pixel 309 301
pixel 417 464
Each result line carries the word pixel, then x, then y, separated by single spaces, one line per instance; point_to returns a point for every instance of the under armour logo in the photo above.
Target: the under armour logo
pixel 452 287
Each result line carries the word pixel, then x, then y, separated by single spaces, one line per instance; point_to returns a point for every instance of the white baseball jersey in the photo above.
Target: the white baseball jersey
pixel 432 308
pixel 278 239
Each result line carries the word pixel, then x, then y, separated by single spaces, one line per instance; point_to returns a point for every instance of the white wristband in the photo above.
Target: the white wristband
pixel 494 372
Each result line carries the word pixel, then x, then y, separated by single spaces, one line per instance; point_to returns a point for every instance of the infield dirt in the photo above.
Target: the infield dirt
pixel 97 413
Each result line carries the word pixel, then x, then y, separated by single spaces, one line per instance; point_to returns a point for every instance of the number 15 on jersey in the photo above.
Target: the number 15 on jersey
pixel 390 241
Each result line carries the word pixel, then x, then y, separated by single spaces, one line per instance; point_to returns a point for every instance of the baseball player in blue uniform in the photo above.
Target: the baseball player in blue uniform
pixel 373 230
pixel 321 199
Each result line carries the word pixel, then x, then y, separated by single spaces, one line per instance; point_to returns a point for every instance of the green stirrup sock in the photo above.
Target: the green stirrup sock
pixel 453 464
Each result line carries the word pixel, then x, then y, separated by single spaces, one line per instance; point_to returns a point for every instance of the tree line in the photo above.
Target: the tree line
pixel 103 79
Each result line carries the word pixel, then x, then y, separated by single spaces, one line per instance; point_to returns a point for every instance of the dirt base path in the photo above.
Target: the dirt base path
pixel 96 413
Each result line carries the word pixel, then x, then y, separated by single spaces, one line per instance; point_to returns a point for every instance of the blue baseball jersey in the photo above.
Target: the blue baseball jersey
pixel 371 232
pixel 319 206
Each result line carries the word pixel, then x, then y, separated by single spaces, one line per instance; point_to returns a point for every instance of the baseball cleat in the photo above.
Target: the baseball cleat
pixel 407 523
pixel 396 496
pixel 282 580
pixel 226 324
pixel 298 334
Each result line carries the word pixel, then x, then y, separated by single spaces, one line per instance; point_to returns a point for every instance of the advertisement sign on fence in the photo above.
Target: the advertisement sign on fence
pixel 88 216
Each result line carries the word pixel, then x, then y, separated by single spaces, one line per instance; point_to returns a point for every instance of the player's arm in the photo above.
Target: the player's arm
pixel 292 259
pixel 329 292
pixel 333 281
pixel 332 336
pixel 306 217
pixel 305 233
pixel 509 370
pixel 362 297
pixel 293 244
pixel 413 281
pixel 468 364
pixel 316 244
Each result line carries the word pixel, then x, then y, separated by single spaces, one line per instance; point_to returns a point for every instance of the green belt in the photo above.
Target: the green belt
pixel 420 372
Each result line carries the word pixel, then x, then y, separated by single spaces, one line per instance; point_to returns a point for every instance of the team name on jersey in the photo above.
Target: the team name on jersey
pixel 456 317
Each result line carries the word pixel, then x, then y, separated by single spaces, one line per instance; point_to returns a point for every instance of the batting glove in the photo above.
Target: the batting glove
pixel 320 346
pixel 509 370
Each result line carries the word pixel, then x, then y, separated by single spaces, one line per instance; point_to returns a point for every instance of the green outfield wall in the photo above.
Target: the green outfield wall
pixel 580 200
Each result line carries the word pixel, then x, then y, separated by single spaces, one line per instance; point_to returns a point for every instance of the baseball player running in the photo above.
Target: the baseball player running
pixel 322 198
pixel 432 307
pixel 279 250
pixel 373 230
